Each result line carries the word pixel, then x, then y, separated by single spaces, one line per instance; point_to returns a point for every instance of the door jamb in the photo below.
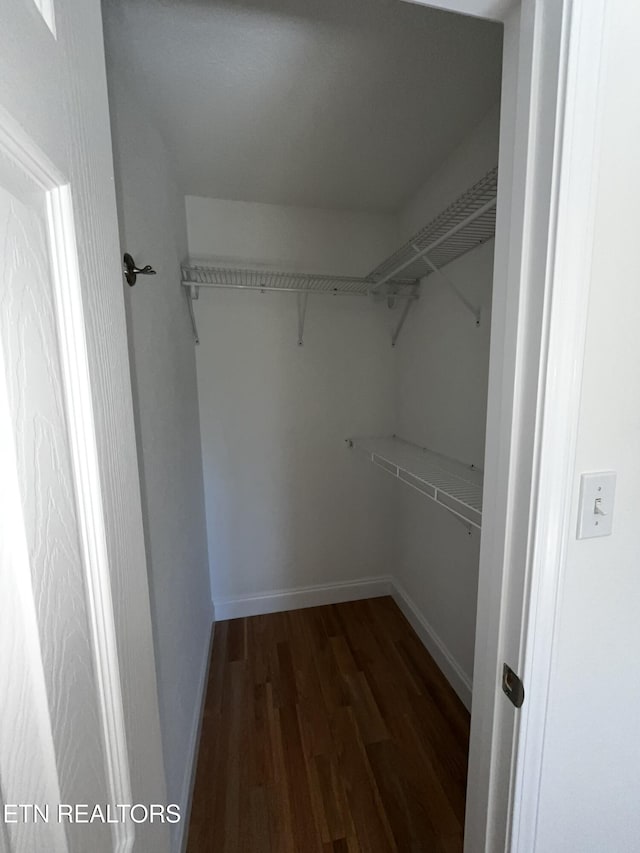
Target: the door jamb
pixel 552 523
pixel 548 128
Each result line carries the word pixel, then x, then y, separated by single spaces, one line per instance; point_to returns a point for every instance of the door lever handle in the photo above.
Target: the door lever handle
pixel 131 271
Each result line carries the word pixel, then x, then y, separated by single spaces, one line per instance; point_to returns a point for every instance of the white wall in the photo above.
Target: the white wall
pixel 590 777
pixel 298 238
pixel 441 402
pixel 471 160
pixel 288 504
pixel 442 372
pixel 443 361
pixel 152 228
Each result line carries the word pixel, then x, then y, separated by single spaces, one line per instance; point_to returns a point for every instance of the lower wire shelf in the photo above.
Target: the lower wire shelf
pixel 454 485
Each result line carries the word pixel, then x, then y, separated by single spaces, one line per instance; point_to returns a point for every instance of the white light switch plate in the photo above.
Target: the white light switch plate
pixel 595 511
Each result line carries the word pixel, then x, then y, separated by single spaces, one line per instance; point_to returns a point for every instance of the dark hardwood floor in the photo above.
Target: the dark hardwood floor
pixel 328 730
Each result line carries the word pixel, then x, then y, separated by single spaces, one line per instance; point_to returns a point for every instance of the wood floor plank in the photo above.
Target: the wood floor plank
pixel 432 683
pixel 334 798
pixel 303 819
pixel 237 640
pixel 258 652
pixel 412 830
pixel 370 819
pixel 281 826
pixel 260 837
pixel 328 730
pixel 315 793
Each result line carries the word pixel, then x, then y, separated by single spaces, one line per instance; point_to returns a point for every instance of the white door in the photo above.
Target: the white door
pixel 78 704
pixel 51 734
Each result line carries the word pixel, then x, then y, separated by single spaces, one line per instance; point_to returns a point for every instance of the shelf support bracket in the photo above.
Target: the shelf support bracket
pixel 463 521
pixel 467 304
pixel 403 317
pixel 302 312
pixel 192 294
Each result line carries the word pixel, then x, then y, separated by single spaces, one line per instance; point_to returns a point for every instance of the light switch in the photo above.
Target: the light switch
pixel 595 511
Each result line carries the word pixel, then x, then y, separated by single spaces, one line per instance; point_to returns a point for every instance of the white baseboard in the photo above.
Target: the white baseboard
pixel 182 828
pixel 452 671
pixel 299 597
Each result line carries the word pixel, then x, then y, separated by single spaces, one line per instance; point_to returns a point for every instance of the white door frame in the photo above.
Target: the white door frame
pixel 549 142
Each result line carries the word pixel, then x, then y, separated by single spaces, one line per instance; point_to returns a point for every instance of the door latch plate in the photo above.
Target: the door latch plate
pixel 512 686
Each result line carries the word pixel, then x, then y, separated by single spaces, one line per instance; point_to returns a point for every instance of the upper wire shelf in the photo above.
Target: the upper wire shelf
pixel 302 284
pixel 463 226
pixel 287 282
pixel 466 224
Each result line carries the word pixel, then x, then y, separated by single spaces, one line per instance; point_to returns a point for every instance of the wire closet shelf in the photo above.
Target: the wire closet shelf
pixel 466 224
pixel 463 226
pixel 285 282
pixel 454 485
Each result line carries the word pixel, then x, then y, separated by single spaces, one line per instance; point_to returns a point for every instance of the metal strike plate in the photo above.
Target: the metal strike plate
pixel 512 686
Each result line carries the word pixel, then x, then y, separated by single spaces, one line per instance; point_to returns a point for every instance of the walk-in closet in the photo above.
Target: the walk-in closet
pixel 320 316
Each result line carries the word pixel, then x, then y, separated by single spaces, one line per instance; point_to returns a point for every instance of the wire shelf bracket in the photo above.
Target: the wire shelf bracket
pixel 192 294
pixel 302 313
pixel 403 317
pixel 475 310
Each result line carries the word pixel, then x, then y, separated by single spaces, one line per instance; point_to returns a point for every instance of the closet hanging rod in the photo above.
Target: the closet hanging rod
pixel 267 288
pixel 196 276
pixel 421 253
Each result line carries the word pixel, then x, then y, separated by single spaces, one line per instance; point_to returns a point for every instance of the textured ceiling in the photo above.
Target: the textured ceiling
pixel 321 103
